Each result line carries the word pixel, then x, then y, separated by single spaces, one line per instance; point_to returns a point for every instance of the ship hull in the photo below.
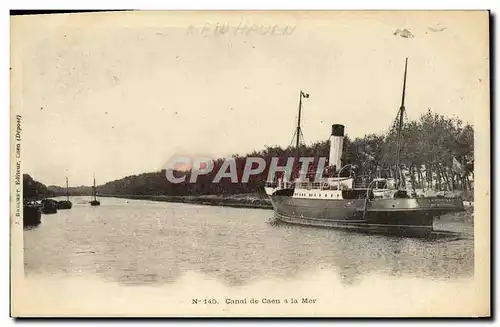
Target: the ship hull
pixel 64 205
pixel 32 216
pixel 385 215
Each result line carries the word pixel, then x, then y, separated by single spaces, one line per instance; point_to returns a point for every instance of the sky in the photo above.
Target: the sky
pixel 118 94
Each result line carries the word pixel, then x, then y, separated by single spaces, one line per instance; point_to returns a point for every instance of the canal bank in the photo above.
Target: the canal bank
pixel 236 201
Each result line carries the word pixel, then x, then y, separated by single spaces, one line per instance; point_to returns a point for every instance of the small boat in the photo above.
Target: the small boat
pixel 94 202
pixel 32 215
pixel 49 206
pixel 65 204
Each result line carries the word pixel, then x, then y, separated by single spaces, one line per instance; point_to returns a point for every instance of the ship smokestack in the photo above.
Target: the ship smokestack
pixel 336 144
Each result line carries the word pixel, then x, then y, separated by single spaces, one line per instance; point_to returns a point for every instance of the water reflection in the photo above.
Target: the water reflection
pixel 143 242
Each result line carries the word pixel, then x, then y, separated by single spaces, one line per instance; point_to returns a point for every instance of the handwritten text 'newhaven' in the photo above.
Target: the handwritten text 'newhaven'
pixel 241 29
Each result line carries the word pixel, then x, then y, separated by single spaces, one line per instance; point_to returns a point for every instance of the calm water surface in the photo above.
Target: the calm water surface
pixel 144 242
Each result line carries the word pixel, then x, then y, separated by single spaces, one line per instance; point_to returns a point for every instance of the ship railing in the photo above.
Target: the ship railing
pixel 304 185
pixel 280 185
pixel 316 186
pixel 272 184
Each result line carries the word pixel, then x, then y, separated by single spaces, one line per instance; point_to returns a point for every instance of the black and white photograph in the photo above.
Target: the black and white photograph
pixel 250 164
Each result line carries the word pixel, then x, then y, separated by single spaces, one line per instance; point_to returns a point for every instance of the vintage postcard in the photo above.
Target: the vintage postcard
pixel 250 164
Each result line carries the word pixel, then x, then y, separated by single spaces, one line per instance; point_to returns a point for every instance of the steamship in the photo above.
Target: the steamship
pixel 382 204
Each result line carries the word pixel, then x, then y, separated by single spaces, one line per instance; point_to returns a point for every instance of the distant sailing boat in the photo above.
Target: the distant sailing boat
pixel 65 204
pixel 94 202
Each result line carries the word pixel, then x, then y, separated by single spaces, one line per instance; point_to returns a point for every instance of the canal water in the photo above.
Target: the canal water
pixel 135 242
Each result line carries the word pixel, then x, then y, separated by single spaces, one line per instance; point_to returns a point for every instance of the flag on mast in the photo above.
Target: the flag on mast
pixel 305 95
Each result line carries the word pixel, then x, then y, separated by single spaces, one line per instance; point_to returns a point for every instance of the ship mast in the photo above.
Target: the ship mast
pixel 400 180
pixel 67 192
pixel 93 189
pixel 298 131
